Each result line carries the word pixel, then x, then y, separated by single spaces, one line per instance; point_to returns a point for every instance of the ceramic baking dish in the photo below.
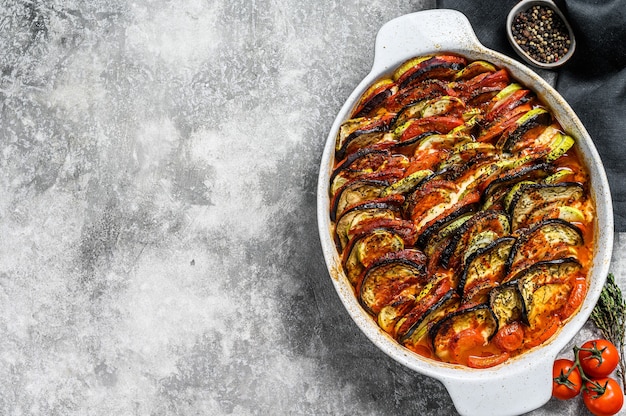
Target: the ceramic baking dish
pixel 523 383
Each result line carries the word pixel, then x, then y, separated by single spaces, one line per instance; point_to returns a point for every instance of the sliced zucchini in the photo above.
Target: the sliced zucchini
pixel 446 226
pixel 506 303
pixel 473 69
pixel 414 110
pixel 443 232
pixel 507 91
pixel 571 214
pixel 417 333
pixel 384 280
pixel 485 269
pixel 532 197
pixel 409 65
pixel 559 176
pixel 544 286
pixel 559 147
pixel 455 336
pixel 407 184
pixel 442 105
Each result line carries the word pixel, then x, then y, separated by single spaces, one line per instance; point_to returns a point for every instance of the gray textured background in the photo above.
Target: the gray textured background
pixel 158 243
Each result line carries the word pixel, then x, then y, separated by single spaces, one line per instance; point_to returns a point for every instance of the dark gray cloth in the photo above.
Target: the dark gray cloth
pixel 593 82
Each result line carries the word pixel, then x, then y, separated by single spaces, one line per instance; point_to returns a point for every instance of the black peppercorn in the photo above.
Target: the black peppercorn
pixel 541 33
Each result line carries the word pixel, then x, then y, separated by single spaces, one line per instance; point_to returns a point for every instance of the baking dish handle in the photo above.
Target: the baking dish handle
pixel 423 32
pixel 504 394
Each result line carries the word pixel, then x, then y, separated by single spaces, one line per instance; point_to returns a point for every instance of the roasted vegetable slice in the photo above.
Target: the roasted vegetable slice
pixel 354 193
pixel 436 287
pixel 352 217
pixel 537 117
pixel 506 303
pixel 374 97
pixel 545 287
pixel 359 132
pixel 484 270
pixel 365 251
pixel 463 333
pixel 385 279
pixel 547 240
pixel 434 67
pixel 474 69
pixel 416 335
pixel 494 221
pixel 531 197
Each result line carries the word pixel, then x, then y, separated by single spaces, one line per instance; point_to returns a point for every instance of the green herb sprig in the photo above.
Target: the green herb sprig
pixel 609 315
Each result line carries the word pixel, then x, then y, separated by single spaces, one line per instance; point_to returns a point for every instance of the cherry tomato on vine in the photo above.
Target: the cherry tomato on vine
pixel 603 397
pixel 598 358
pixel 566 380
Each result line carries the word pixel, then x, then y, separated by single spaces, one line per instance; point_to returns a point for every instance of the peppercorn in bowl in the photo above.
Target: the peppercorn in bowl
pixel 540 34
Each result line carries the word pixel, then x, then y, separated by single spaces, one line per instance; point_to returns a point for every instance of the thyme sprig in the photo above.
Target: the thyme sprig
pixel 609 315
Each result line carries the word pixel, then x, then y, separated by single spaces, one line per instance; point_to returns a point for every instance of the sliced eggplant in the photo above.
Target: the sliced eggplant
pixel 354 193
pixel 418 331
pixel 435 287
pixel 357 164
pixel 531 197
pixel 474 327
pixel 405 229
pixel 506 303
pixel 365 251
pixel 526 172
pixel 365 130
pixel 545 286
pixel 484 270
pixel 547 240
pixel 385 279
pixel 353 218
pixel 482 221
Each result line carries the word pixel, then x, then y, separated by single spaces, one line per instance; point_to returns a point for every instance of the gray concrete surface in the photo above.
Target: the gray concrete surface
pixel 158 243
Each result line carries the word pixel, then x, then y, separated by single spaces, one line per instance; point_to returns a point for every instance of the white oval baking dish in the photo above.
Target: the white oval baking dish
pixel 524 383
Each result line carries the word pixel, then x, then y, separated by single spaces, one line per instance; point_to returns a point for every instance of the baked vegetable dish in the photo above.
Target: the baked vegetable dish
pixel 461 211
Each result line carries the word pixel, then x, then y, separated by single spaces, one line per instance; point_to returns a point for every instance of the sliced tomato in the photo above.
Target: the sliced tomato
pixel 510 337
pixel 479 361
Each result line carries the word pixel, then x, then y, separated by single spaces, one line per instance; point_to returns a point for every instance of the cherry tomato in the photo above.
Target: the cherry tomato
pixel 566 382
pixel 603 397
pixel 598 358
